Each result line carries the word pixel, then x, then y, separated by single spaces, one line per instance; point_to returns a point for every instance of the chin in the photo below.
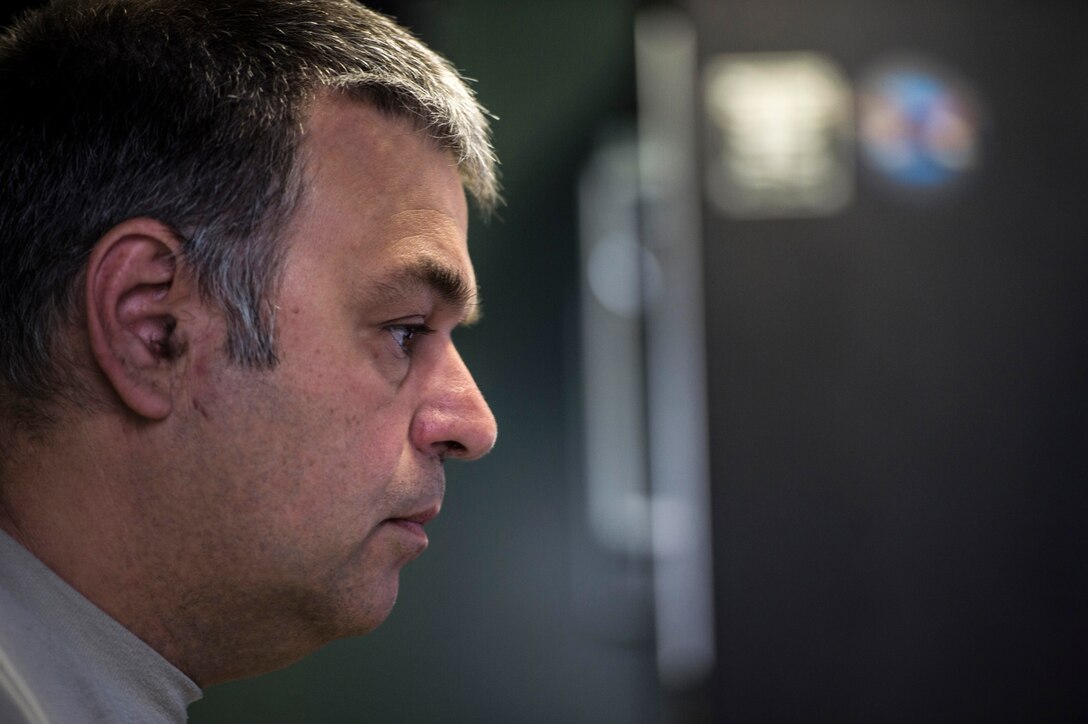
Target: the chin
pixel 362 613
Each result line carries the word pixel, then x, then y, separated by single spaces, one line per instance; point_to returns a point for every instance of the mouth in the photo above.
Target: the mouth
pixel 423 516
pixel 413 524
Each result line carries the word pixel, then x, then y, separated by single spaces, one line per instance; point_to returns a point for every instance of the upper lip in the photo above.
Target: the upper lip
pixel 423 516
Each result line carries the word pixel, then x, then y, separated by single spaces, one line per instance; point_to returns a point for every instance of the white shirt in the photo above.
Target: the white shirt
pixel 65 661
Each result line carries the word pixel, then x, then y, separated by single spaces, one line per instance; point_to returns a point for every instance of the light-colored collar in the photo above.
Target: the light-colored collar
pixel 76 662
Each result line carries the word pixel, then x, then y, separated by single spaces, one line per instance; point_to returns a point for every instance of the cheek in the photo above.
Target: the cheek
pixel 348 445
pixel 341 422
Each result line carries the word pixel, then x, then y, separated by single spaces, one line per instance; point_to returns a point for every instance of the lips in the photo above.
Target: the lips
pixel 414 522
pixel 424 516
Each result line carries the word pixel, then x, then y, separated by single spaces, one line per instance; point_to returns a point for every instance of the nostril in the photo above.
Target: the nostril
pixel 451 448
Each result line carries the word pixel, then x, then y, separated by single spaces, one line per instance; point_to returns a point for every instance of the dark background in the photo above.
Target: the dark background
pixel 898 409
pixel 899 397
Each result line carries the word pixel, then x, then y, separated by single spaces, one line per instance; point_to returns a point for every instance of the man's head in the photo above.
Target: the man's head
pixel 233 250
pixel 189 112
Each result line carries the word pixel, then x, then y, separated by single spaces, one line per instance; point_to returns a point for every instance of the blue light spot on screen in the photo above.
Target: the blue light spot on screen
pixel 917 128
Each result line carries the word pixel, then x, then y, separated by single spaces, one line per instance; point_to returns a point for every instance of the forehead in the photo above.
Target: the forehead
pixel 379 193
pixel 363 152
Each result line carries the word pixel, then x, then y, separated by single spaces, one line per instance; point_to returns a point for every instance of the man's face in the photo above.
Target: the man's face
pixel 322 472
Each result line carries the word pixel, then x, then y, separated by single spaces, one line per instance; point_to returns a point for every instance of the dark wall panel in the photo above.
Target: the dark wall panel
pixel 898 395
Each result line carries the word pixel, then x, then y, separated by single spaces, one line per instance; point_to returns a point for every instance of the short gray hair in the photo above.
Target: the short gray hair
pixel 190 112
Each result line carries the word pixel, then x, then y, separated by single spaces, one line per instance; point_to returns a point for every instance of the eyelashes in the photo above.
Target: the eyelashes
pixel 406 336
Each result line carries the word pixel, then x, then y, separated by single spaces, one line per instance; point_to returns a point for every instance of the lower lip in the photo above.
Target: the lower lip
pixel 411 527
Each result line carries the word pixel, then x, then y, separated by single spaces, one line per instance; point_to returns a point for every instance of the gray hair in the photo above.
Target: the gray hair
pixel 189 112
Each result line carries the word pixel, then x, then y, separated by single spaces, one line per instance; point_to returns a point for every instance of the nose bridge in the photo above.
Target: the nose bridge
pixel 454 419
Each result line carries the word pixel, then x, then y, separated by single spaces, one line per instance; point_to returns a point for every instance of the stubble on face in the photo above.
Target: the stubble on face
pixel 298 480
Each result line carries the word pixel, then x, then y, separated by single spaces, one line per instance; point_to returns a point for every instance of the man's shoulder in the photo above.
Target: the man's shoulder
pixel 18 632
pixel 62 659
pixel 18 704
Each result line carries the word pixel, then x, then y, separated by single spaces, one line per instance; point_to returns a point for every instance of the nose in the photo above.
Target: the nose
pixel 454 420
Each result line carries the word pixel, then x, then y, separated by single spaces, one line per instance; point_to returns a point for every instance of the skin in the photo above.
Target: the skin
pixel 238 520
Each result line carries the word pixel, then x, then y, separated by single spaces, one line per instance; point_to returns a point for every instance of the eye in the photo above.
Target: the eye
pixel 405 335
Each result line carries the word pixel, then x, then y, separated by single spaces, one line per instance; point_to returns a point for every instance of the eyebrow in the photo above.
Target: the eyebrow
pixel 446 281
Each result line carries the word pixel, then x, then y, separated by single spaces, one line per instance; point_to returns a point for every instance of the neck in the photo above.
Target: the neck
pixel 115 525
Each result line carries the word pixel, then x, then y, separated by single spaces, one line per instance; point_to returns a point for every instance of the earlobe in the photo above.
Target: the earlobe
pixel 135 297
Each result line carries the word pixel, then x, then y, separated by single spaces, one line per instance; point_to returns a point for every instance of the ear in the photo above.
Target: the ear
pixel 135 297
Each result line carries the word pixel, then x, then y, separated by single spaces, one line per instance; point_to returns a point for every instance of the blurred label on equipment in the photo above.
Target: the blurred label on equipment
pixel 782 135
pixel 918 124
